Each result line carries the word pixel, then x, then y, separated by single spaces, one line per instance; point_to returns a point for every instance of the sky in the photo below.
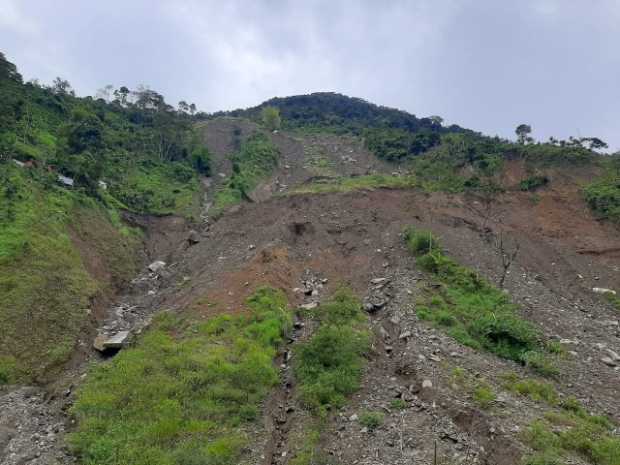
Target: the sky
pixel 487 65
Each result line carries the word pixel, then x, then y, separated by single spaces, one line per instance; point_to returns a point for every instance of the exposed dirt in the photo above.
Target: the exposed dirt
pixel 356 237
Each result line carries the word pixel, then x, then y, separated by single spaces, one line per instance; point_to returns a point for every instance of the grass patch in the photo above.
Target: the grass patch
pixel 371 420
pixel 481 392
pixel 183 394
pixel 159 190
pixel 44 286
pixel 572 430
pixel 473 311
pixel 58 250
pixel 398 404
pixel 254 161
pixel 538 391
pixel 613 299
pixel 355 183
pixel 329 366
pixel 484 396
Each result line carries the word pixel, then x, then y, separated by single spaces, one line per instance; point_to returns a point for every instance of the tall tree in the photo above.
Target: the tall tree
pixel 523 132
pixel 271 118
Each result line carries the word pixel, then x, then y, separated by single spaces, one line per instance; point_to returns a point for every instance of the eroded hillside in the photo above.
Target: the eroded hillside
pixel 294 322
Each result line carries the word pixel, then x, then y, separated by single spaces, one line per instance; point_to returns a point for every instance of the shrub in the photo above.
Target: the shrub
pixel 421 242
pixel 590 436
pixel 536 390
pixel 533 183
pixel 484 396
pixel 603 197
pixel 371 420
pixel 398 404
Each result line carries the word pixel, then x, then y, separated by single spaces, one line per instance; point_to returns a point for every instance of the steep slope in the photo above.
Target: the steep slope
pixel 291 320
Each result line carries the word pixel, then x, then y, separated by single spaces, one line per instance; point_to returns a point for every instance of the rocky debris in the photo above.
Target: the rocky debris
pixel 157 266
pixel 380 293
pixel 31 429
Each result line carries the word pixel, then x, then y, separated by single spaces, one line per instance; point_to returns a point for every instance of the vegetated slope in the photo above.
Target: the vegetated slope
pixel 69 168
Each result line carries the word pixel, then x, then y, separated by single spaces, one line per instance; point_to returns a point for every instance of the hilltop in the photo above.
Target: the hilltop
pixel 313 280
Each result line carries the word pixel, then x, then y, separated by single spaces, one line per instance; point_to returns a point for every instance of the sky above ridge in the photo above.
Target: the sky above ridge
pixel 483 64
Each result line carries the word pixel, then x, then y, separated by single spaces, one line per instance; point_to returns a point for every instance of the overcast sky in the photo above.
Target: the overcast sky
pixel 484 64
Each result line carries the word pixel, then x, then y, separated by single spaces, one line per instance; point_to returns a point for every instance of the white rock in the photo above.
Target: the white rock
pixel 156 266
pixel 608 361
pixel 427 384
pixel 309 306
pixel 602 290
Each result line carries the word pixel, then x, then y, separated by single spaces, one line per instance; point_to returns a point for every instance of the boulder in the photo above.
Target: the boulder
pixel 105 343
pixel 193 237
pixel 602 290
pixel 156 266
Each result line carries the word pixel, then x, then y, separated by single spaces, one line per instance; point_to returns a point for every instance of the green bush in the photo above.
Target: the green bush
pixel 484 396
pixel 603 196
pixel 421 242
pixel 184 393
pixel 371 420
pixel 533 183
pixel 536 390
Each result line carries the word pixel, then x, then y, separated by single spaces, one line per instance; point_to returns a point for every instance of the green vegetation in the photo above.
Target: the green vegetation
pixel 538 391
pixel 470 309
pixel 141 147
pixel 254 161
pixel 603 195
pixel 62 244
pixel 398 404
pixel 482 393
pixel 271 118
pixel 533 182
pixel 45 285
pixel 371 420
pixel 398 144
pixel 185 392
pixel 572 431
pixel 614 299
pixel 329 366
pixel 339 113
pixel 484 396
pixel 370 182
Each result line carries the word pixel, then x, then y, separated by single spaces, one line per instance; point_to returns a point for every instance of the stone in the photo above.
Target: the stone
pixel 156 266
pixel 379 281
pixel 602 290
pixel 608 361
pixel 404 335
pixel 309 306
pixel 104 343
pixel 427 384
pixel 613 355
pixel 353 417
pixel 193 237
